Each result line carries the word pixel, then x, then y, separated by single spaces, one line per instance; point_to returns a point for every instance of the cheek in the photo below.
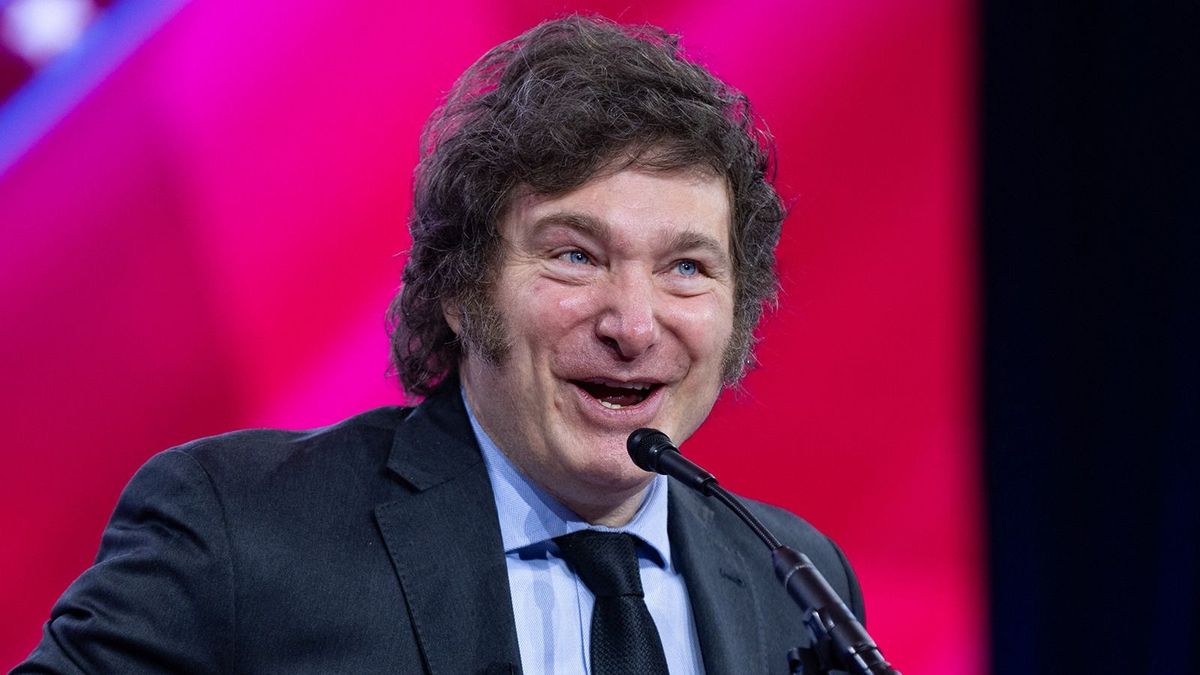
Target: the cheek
pixel 704 327
pixel 545 313
pixel 575 306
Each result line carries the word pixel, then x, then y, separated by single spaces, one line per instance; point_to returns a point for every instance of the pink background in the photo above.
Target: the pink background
pixel 208 239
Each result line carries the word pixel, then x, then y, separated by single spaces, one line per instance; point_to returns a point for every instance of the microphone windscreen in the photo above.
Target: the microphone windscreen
pixel 645 445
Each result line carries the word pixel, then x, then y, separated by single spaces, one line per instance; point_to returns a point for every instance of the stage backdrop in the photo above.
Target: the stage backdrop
pixel 203 218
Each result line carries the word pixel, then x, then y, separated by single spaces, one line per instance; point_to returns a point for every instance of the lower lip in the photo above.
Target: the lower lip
pixel 630 415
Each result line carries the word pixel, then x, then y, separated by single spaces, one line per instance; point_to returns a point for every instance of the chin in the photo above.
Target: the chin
pixel 609 465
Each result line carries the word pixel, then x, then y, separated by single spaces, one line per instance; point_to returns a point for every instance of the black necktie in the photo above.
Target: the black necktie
pixel 624 638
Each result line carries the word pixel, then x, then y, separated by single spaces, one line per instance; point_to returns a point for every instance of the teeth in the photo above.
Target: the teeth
pixel 632 386
pixel 611 406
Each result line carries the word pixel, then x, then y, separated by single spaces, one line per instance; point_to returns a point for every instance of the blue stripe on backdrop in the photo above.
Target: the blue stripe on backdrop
pixel 62 83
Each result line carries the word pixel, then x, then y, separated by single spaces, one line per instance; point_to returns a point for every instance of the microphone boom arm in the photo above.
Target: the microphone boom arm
pixel 837 634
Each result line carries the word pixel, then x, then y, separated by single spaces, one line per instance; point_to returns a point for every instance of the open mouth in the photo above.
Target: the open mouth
pixel 617 395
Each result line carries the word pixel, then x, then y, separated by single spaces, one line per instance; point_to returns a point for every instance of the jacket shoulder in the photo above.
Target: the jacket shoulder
pixel 365 438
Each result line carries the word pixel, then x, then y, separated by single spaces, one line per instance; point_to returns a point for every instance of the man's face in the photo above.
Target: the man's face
pixel 617 305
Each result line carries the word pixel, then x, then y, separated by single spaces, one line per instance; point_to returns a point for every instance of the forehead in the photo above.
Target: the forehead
pixel 630 206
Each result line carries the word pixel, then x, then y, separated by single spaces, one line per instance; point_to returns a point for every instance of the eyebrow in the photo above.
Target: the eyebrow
pixel 683 240
pixel 580 222
pixel 688 240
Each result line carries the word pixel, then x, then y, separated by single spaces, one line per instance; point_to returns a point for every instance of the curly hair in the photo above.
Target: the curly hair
pixel 544 113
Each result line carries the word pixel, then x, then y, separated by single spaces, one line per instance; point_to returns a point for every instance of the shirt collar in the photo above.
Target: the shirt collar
pixel 529 515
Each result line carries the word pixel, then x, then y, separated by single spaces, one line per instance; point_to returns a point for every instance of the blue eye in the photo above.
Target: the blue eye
pixel 576 257
pixel 687 268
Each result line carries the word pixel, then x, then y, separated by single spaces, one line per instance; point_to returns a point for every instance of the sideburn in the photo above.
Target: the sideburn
pixel 482 331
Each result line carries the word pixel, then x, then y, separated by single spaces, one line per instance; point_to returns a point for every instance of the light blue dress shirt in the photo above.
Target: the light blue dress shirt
pixel 552 607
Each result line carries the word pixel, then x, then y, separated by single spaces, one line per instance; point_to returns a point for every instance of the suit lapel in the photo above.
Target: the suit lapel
pixel 444 540
pixel 724 604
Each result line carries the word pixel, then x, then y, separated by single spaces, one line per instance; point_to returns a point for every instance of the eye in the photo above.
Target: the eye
pixel 687 268
pixel 575 257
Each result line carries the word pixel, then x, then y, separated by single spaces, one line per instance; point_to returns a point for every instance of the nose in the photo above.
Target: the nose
pixel 628 323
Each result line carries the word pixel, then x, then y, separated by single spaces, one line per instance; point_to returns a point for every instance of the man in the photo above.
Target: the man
pixel 593 238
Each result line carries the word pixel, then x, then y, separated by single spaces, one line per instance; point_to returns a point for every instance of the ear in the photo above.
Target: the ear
pixel 453 315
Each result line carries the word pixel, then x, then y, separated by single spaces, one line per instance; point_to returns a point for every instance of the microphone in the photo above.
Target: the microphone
pixel 653 451
pixel 829 621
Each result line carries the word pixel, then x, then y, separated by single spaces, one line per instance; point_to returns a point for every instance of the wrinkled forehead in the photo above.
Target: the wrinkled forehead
pixel 632 204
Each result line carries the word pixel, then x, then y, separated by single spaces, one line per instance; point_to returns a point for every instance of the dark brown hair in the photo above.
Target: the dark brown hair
pixel 545 112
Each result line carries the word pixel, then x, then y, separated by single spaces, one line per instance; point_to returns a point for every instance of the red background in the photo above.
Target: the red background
pixel 208 239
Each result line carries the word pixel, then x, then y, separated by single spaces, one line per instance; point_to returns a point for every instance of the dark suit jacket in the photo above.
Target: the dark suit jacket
pixel 370 546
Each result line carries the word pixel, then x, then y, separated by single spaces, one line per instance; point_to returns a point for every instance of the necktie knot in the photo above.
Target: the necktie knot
pixel 606 562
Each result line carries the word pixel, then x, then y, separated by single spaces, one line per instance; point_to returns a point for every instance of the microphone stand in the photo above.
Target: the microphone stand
pixel 839 641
